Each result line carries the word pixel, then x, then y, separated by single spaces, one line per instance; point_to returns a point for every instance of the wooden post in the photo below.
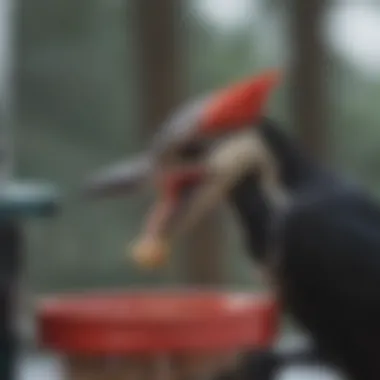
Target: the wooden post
pixel 309 99
pixel 162 82
pixel 159 60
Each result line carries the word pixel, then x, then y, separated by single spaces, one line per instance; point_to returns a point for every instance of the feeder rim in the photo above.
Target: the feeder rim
pixel 227 307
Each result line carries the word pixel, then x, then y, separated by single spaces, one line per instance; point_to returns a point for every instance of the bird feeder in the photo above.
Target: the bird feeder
pixel 19 200
pixel 27 199
pixel 155 335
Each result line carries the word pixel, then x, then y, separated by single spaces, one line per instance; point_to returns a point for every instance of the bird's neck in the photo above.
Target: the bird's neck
pixel 253 213
pixel 256 210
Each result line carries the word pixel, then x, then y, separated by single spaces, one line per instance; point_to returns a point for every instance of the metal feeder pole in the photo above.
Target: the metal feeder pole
pixel 18 199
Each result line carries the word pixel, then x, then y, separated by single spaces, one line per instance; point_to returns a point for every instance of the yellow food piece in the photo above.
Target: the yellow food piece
pixel 150 252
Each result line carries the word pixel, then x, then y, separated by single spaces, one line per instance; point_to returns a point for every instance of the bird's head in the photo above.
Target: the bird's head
pixel 198 156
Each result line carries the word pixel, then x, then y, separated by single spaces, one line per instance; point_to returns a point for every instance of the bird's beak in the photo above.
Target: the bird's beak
pixel 180 192
pixel 125 177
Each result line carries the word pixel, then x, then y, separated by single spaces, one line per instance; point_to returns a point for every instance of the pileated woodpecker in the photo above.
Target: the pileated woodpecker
pixel 314 233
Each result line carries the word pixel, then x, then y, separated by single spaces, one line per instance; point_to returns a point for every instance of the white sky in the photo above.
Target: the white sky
pixel 226 13
pixel 353 29
pixel 355 33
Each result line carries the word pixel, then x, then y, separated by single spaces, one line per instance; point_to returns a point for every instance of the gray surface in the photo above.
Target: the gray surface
pixel 44 367
pixel 38 368
pixel 41 367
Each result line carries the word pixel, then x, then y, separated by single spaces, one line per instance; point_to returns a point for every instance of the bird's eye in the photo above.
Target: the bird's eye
pixel 192 151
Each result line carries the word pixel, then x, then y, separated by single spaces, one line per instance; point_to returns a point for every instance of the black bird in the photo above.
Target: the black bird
pixel 315 233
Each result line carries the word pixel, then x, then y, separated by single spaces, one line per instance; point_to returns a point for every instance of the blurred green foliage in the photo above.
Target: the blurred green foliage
pixel 77 110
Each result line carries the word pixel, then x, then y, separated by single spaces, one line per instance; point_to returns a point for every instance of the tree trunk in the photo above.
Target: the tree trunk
pixel 159 60
pixel 309 99
pixel 162 85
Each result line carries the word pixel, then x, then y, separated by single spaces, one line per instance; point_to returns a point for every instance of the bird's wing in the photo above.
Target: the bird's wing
pixel 334 242
pixel 331 277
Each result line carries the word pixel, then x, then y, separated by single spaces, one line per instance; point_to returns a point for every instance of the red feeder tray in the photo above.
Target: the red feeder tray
pixel 151 323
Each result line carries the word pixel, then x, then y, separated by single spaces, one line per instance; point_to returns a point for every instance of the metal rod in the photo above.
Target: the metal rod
pixel 11 237
pixel 7 13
